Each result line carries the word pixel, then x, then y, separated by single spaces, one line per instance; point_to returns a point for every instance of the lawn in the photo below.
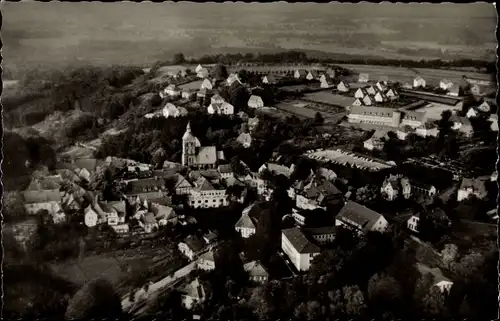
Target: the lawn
pixel 195 85
pixel 327 97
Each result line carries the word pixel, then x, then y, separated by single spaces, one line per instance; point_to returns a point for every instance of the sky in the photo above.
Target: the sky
pixel 56 33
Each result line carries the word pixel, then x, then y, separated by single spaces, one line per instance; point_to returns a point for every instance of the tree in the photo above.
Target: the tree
pixel 13 207
pixel 383 292
pixel 354 301
pixel 178 59
pixel 469 265
pixel 434 303
pixel 95 300
pixel 220 72
pixel 318 119
pixel 449 254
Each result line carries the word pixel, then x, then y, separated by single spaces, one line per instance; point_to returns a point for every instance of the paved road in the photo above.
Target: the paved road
pixel 142 298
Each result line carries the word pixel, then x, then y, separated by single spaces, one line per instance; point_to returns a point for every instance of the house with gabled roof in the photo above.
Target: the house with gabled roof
pixel 485 107
pixel 224 108
pixel 163 214
pixel 299 249
pixel 367 100
pixel 255 102
pixel 343 87
pixel 276 169
pixel 380 97
pixel 472 187
pixel 392 94
pixel 494 122
pixel 473 112
pixel 363 78
pixel 438 279
pixel 191 247
pixel 360 218
pixel 427 129
pixel 256 271
pixel 360 93
pixel 318 193
pixel 225 171
pixel 206 261
pixel 462 124
pixel 445 84
pixel 246 225
pixel 404 131
pixel 193 294
pixel 454 90
pixel 300 73
pixel 419 82
pixel 206 84
pixel 202 73
pixel 358 102
pixel 206 194
pixel 371 90
pixel 391 188
pixel 311 75
pixel 232 78
pixel 376 142
pixel 270 79
pixel 245 139
pixel 171 111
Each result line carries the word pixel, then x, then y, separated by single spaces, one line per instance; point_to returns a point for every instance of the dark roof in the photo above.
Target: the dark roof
pixel 146 185
pixel 300 241
pixel 255 268
pixel 225 168
pixel 358 214
pixel 194 243
pixel 320 230
pixel 430 97
pixel 245 221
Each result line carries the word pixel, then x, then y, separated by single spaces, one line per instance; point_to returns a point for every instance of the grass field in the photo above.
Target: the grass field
pixel 195 85
pixel 327 97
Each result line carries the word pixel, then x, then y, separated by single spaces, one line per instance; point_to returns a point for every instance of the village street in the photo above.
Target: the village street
pixel 143 298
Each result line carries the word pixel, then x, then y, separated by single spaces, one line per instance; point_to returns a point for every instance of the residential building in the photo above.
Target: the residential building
pixel 298 248
pixel 147 188
pixel 193 154
pixel 224 108
pixel 473 112
pixel 494 122
pixel 343 87
pixel 443 283
pixel 170 90
pixel 270 79
pixel 256 271
pixel 206 84
pixel 321 235
pixel 318 193
pixel 360 218
pixel 245 225
pixel 391 94
pixel 253 123
pixel 202 73
pixel 313 74
pixel 454 91
pixel 472 187
pixel 210 239
pixel 121 228
pixel 363 78
pixel 419 82
pixel 182 185
pixel 255 102
pixel 90 216
pixel 188 94
pixel 485 107
pixel 462 124
pixel 390 189
pixel 206 195
pixel 381 86
pixel 276 169
pixel 243 116
pixel 376 142
pixel 403 132
pixel 206 261
pixel 445 84
pixel 193 294
pixel 232 78
pixel 427 129
pixel 225 171
pixel 412 223
pixel 245 139
pixel 360 93
pixel 358 102
pixel 148 222
pixel 380 97
pixel 368 101
pixel 299 73
pixel 191 247
pixel 163 214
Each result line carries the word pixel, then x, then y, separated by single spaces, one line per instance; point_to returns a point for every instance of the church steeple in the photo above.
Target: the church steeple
pixel 188 127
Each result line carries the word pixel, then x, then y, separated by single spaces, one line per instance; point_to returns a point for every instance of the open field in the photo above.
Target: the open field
pixel 347 158
pixel 400 74
pixel 195 85
pixel 297 107
pixel 434 110
pixel 326 97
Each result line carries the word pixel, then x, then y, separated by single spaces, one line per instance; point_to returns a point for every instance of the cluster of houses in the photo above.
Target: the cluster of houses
pixel 379 93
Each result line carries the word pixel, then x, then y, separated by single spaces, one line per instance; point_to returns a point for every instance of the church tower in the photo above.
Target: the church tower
pixel 189 145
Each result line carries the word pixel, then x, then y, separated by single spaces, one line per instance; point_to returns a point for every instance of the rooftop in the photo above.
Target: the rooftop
pixel 299 241
pixel 359 214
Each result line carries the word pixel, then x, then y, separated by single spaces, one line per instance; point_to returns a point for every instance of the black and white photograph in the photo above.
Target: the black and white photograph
pixel 249 161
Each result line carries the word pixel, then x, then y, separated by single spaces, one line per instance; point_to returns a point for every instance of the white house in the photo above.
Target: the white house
pixel 391 94
pixel 298 248
pixel 494 122
pixel 326 82
pixel 246 224
pixel 245 139
pixel 360 93
pixel 380 97
pixel 205 195
pixel 472 186
pixel 357 102
pixel 255 102
pixel 198 68
pixel 390 188
pixel 472 113
pixel 221 109
pixel 412 223
pixel 191 247
pixel 445 84
pixel 438 279
pixel 206 261
pixel 121 228
pixel 90 217
pixel 427 129
pixel 256 271
pixel 188 94
pixel 193 294
pixel 485 107
pixel 170 90
pixel 363 78
pixel 269 79
pixel 419 82
pixel 360 218
pixel 217 99
pixel 202 73
pixel 299 73
pixel 232 78
pixel 343 87
pixel 367 100
pixel 206 84
pixel 311 75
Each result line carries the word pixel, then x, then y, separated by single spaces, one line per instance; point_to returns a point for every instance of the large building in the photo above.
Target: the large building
pixel 298 248
pixel 360 218
pixel 385 116
pixel 195 155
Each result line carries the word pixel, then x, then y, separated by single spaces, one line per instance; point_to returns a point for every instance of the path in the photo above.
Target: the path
pixel 155 288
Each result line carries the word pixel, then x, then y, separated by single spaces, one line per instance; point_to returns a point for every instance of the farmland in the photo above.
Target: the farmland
pixel 194 85
pixel 306 110
pixel 400 74
pixel 327 97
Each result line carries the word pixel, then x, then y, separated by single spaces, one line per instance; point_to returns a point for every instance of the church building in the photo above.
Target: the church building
pixel 195 155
